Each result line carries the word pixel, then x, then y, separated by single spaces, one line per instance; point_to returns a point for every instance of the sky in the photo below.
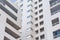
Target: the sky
pixel 13 0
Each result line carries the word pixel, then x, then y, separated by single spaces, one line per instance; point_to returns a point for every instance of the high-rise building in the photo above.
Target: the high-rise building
pixel 26 10
pixel 40 19
pixel 46 19
pixel 9 21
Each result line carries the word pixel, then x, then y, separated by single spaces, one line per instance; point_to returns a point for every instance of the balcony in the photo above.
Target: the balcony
pixel 10 5
pixel 53 2
pixel 10 32
pixel 5 38
pixel 8 12
pixel 55 9
pixel 12 24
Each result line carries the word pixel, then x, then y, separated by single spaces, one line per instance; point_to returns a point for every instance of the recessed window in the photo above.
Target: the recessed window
pixel 41 16
pixel 40 5
pixel 8 12
pixel 41 23
pixel 40 0
pixel 42 29
pixel 20 39
pixel 11 6
pixel 30 22
pixel 36 25
pixel 36 18
pixel 5 38
pixel 42 36
pixel 55 21
pixel 36 13
pixel 29 16
pixel 40 10
pixel 36 31
pixel 36 7
pixel 56 33
pixel 37 38
pixel 21 10
pixel 28 29
pixel 12 24
pixel 36 2
pixel 21 5
pixel 30 10
pixel 30 5
pixel 21 0
pixel 10 32
pixel 28 36
pixel 29 0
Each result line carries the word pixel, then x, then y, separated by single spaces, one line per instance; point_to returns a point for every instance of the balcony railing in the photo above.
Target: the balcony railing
pixel 12 24
pixel 5 38
pixel 11 6
pixel 8 12
pixel 10 32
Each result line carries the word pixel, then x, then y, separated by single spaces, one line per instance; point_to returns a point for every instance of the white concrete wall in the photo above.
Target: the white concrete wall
pixel 25 26
pixel 48 28
pixel 3 24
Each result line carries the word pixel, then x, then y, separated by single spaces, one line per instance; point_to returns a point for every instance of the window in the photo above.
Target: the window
pixel 29 29
pixel 40 5
pixel 40 0
pixel 20 39
pixel 32 36
pixel 36 31
pixel 36 18
pixel 29 16
pixel 56 33
pixel 36 25
pixel 29 0
pixel 21 10
pixel 55 21
pixel 21 0
pixel 10 32
pixel 41 23
pixel 40 17
pixel 5 38
pixel 40 10
pixel 35 7
pixel 37 38
pixel 21 5
pixel 28 36
pixel 36 13
pixel 8 12
pixel 42 36
pixel 42 29
pixel 30 22
pixel 53 2
pixel 11 6
pixel 36 2
pixel 1 1
pixel 12 24
pixel 30 10
pixel 55 10
pixel 30 5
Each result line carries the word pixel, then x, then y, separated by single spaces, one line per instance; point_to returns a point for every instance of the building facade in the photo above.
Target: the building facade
pixel 46 19
pixel 9 21
pixel 40 19
pixel 26 10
